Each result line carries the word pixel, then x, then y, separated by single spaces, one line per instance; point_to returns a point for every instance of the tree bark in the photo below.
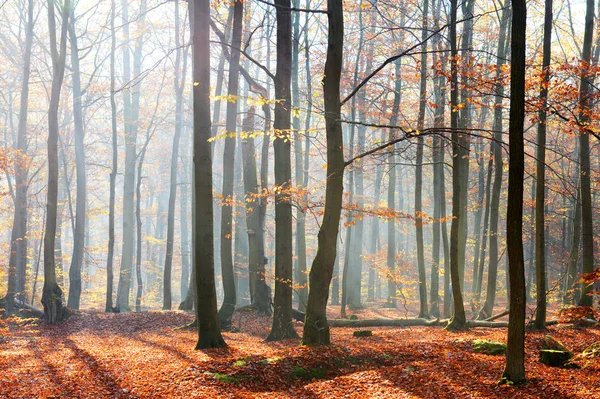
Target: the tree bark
pixel 228 305
pixel 515 353
pixel 540 199
pixel 52 293
pixel 209 331
pixel 75 286
pixel 316 328
pixel 282 316
pixel 585 106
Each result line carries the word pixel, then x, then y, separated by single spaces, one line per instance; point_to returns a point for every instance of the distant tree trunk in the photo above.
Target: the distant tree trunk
pixel 571 290
pixel 316 329
pixel 184 207
pixel 75 286
pixel 458 321
pixel 52 293
pixel 282 316
pixel 438 174
pixel 464 148
pixel 300 274
pixel 179 83
pixel 423 308
pixel 374 239
pixel 480 205
pixel 131 109
pixel 531 242
pixel 391 199
pixel 540 199
pixel 209 331
pixel 227 272
pixel 115 165
pixel 19 240
pixel 585 107
pixel 515 353
pixel 488 306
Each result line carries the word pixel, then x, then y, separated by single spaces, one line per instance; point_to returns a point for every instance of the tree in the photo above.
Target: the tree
pixel 209 331
pixel 423 308
pixel 585 107
pixel 52 293
pixel 18 249
pixel 131 110
pixel 81 201
pixel 115 166
pixel 515 353
pixel 282 315
pixel 316 328
pixel 229 301
pixel 459 320
pixel 178 83
pixel 540 199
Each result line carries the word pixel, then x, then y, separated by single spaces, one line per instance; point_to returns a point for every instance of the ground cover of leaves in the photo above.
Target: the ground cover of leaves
pixel 144 355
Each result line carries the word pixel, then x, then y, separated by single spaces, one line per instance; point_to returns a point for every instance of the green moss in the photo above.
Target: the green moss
pixel 317 373
pixel 224 377
pixel 555 358
pixel 363 333
pixel 493 348
pixel 354 317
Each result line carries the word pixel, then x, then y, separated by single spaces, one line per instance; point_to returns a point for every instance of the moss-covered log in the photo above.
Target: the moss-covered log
pixel 555 358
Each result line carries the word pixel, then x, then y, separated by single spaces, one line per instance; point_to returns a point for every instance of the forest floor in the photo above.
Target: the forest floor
pixel 144 355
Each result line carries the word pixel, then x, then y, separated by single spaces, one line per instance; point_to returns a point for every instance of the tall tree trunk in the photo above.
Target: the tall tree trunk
pixel 131 109
pixel 178 83
pixel 316 329
pixel 209 331
pixel 488 306
pixel 515 352
pixel 229 300
pixel 115 165
pixel 52 293
pixel 423 308
pixel 585 106
pixel 221 74
pixel 282 316
pixel 540 199
pixel 19 236
pixel 391 198
pixel 75 286
pixel 458 321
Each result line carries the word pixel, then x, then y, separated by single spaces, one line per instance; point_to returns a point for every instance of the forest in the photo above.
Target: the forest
pixel 299 199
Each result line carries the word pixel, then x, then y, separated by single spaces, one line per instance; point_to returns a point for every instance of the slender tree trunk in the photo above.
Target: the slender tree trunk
pixel 209 331
pixel 19 240
pixel 300 276
pixel 179 83
pixel 515 353
pixel 229 300
pixel 585 106
pixel 423 308
pixel 458 321
pixel 316 328
pixel 75 286
pixel 488 306
pixel 115 165
pixel 540 199
pixel 571 289
pixel 184 207
pixel 282 316
pixel 52 293
pixel 131 109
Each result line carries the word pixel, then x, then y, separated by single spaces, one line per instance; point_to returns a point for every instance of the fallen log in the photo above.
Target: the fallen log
pixel 497 316
pixel 383 322
pixel 35 311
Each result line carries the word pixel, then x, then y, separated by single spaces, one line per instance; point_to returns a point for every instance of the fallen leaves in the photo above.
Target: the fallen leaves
pixel 143 355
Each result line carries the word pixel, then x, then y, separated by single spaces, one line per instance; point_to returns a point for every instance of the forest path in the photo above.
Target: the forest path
pixel 143 355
